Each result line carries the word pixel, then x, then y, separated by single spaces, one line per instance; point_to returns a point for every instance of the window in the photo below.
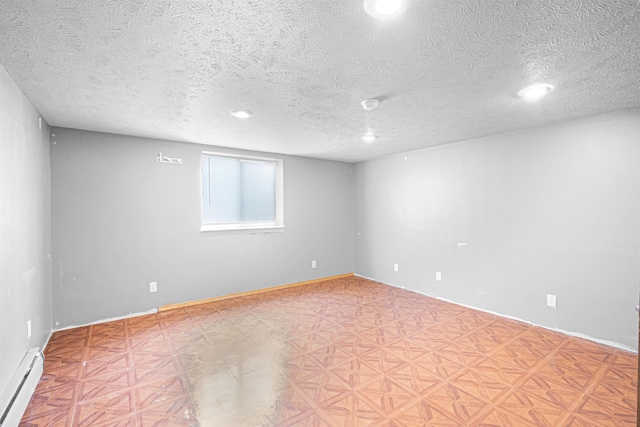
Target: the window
pixel 241 193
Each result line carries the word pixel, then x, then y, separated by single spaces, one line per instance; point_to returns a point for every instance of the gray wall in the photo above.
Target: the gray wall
pixel 121 220
pixel 547 210
pixel 25 228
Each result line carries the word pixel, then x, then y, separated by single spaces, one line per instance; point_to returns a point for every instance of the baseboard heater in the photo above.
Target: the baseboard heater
pixel 20 389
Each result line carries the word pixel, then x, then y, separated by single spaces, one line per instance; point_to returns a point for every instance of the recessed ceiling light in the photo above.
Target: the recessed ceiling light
pixel 388 7
pixel 369 137
pixel 242 114
pixel 535 92
pixel 382 9
pixel 370 104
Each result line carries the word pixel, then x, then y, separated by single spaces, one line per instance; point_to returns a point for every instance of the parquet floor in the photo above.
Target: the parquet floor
pixel 346 352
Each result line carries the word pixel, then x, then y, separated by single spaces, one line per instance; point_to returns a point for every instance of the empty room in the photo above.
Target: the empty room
pixel 319 213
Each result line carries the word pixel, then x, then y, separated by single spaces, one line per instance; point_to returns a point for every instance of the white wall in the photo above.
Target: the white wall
pixel 25 229
pixel 121 220
pixel 551 210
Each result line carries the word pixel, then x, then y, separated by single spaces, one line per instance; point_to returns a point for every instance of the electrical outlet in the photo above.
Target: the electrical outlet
pixel 28 328
pixel 395 267
pixel 153 286
pixel 313 264
pixel 551 300
pixel 438 276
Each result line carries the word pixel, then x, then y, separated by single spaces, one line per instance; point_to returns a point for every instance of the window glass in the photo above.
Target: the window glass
pixel 241 190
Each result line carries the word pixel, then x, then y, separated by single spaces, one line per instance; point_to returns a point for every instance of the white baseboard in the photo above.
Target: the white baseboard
pixel 111 319
pixel 562 331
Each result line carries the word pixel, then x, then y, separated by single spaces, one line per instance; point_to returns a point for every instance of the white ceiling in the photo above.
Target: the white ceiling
pixel 444 71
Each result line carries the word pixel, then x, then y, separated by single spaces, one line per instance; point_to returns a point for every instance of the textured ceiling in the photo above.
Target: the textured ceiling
pixel 445 71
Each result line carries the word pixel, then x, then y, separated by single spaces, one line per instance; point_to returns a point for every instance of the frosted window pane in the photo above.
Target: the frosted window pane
pixel 238 190
pixel 224 191
pixel 258 191
pixel 206 199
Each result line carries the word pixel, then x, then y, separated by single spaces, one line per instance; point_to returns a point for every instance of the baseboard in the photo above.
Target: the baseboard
pixel 562 331
pixel 202 301
pixel 110 319
pixel 244 294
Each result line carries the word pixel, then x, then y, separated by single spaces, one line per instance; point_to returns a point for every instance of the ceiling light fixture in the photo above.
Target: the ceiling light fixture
pixel 242 114
pixel 370 104
pixel 388 7
pixel 369 137
pixel 535 92
pixel 382 9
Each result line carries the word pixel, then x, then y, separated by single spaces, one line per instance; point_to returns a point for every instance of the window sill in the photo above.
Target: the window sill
pixel 217 230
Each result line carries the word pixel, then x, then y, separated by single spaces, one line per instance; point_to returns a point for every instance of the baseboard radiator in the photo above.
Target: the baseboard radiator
pixel 20 389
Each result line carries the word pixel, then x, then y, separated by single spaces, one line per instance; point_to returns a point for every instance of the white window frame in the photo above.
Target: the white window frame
pixel 247 227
